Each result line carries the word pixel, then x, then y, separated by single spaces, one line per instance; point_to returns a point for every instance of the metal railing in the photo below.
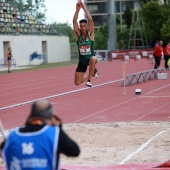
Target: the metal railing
pixel 4 63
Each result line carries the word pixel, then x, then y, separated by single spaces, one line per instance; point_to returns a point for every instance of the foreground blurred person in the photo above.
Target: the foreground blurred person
pixel 37 145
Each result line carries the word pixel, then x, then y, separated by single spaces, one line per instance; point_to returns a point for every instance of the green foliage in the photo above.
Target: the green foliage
pixel 34 8
pixel 156 18
pixel 122 37
pixel 71 34
pixel 128 16
pixel 146 1
pixel 165 30
pixel 152 16
pixel 117 18
pixel 101 37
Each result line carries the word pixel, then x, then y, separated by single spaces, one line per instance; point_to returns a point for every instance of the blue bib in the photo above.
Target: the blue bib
pixel 32 151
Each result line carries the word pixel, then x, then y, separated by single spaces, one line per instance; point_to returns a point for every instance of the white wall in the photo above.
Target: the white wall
pixel 58 47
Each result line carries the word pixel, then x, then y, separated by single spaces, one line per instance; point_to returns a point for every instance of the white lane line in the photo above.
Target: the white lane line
pixel 151 112
pixel 100 111
pixel 104 110
pixel 29 89
pixel 58 95
pixel 2 130
pixel 152 96
pixel 157 89
pixel 140 148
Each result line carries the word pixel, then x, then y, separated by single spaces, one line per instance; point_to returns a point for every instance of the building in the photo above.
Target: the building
pixel 26 35
pixel 99 9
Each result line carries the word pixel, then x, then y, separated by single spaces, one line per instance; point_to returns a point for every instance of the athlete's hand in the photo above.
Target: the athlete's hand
pixel 78 7
pixel 81 4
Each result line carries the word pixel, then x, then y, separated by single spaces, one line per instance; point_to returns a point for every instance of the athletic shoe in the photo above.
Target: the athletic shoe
pixel 88 83
pixel 96 73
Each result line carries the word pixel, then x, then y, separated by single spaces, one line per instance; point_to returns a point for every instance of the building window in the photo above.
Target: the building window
pixel 117 6
pixel 96 21
pixel 93 8
pixel 130 4
pixel 126 4
pixel 123 6
pixel 99 20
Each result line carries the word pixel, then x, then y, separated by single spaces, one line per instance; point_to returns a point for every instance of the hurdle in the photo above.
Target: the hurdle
pixel 141 76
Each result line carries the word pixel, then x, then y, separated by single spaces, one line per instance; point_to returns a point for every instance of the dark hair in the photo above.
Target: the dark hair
pixel 41 113
pixel 83 21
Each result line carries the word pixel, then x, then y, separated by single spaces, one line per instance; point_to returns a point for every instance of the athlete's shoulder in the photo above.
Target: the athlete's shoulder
pixel 91 35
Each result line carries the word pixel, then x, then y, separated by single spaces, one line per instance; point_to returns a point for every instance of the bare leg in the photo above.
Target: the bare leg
pixel 92 64
pixel 80 78
pixel 9 65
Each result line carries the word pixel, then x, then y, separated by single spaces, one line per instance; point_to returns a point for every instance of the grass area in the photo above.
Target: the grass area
pixel 45 66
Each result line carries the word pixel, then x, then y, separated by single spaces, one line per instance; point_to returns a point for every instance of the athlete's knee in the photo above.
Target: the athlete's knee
pixel 93 60
pixel 77 83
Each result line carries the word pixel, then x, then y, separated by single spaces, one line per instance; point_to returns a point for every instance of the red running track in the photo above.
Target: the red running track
pixel 105 103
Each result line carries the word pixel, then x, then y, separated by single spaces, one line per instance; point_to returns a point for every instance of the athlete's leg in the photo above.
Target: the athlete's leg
pixel 92 64
pixel 80 74
pixel 80 78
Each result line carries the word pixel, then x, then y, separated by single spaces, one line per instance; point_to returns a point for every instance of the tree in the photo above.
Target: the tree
pixel 128 17
pixel 34 8
pixel 152 16
pixel 122 37
pixel 64 29
pixel 146 1
pixel 71 34
pixel 165 30
pixel 101 37
pixel 156 18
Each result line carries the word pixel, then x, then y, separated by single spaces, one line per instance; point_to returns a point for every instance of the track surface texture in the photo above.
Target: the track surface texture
pixel 131 125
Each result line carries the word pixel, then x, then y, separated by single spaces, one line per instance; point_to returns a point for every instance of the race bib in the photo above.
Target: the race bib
pixel 84 50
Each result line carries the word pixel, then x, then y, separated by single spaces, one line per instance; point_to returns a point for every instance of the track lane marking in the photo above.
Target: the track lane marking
pixel 104 110
pixel 152 96
pixel 58 95
pixel 151 112
pixel 140 148
pixel 156 89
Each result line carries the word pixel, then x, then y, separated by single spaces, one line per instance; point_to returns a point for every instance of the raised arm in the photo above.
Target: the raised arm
pixel 75 23
pixel 89 18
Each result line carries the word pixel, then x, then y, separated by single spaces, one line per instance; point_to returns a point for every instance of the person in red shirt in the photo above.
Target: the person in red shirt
pixel 158 51
pixel 167 55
